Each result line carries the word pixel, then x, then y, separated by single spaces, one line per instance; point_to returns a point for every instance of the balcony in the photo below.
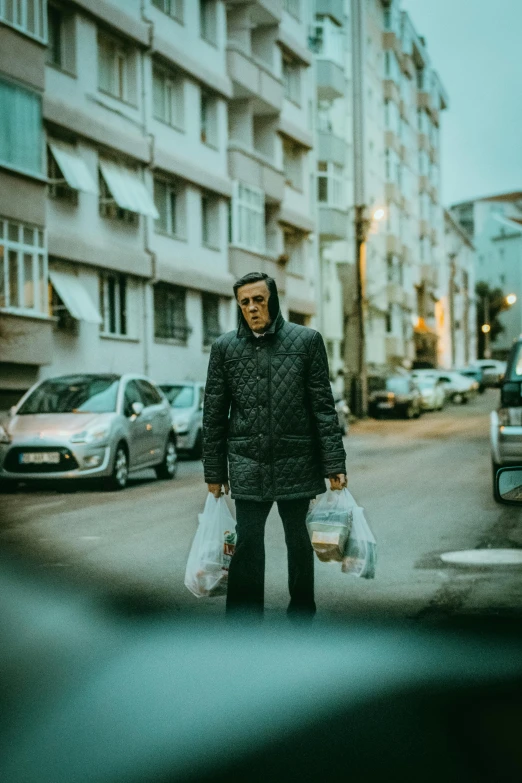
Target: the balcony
pixel 404 153
pixel 424 100
pixel 392 141
pixel 254 81
pixel 429 275
pixel 424 142
pixel 331 148
pixel 394 293
pixel 393 245
pixel 424 228
pixel 391 91
pixel 263 12
pixel 408 66
pixel 392 43
pixel 26 339
pixel 331 82
pixel 253 168
pixel 333 8
pixel 409 301
pixel 394 347
pixel 424 184
pixel 333 223
pixel 393 193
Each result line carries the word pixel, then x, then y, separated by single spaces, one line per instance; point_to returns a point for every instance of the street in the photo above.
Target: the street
pixel 425 485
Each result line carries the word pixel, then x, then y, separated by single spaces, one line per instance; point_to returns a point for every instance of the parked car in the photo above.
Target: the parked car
pixel 476 374
pixel 457 388
pixel 493 371
pixel 88 426
pixel 506 422
pixel 186 401
pixel 399 395
pixel 432 392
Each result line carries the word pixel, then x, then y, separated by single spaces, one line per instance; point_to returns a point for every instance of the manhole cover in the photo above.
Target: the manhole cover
pixel 484 557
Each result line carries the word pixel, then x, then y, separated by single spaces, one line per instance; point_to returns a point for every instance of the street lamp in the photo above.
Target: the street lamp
pixel 506 302
pixel 363 224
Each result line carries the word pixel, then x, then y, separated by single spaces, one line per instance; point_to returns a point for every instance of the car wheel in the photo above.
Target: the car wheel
pixel 8 486
pixel 409 412
pixel 458 399
pixel 197 449
pixel 168 467
pixel 120 470
pixel 495 467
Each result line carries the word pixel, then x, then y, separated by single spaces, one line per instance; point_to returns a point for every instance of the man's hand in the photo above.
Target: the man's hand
pixel 338 480
pixel 216 489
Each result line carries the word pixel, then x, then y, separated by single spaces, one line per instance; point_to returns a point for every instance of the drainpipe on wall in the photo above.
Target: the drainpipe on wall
pixel 147 320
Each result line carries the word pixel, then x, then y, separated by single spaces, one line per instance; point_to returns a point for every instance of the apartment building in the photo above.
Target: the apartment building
pixel 25 328
pixel 456 307
pixel 379 106
pixel 494 224
pixel 167 148
pixel 271 149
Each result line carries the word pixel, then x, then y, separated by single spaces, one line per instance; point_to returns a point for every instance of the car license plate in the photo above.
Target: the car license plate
pixel 387 405
pixel 40 458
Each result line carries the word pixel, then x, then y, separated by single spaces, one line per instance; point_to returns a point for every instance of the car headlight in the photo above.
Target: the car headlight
pixel 181 425
pixel 510 417
pixel 4 435
pixel 93 435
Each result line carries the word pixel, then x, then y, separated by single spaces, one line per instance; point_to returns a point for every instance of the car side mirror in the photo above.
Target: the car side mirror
pixel 137 408
pixel 509 485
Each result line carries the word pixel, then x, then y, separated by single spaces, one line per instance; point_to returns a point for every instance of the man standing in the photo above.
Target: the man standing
pixel 270 423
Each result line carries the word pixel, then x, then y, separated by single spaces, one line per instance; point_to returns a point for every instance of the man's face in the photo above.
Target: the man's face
pixel 253 301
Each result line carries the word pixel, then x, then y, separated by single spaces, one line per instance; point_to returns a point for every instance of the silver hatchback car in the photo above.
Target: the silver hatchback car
pixel 88 426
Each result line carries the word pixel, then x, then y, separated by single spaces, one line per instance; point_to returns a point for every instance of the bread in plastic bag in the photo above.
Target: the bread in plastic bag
pixel 360 555
pixel 329 522
pixel 209 558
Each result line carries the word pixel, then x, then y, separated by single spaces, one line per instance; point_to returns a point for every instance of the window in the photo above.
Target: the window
pixel 168 91
pixel 208 119
pixel 60 39
pixel 211 329
pixel 328 43
pixel 28 16
pixel 173 8
pixel 248 218
pixel 292 164
pixel 116 68
pixel 293 8
pixel 169 198
pixel 292 79
pixel 113 303
pixel 58 186
pixel 170 315
pixel 23 268
pixel 210 234
pixel 149 394
pixel 132 395
pixel 208 20
pixel 109 208
pixel 294 250
pixel 20 128
pixel 330 184
pixel 324 116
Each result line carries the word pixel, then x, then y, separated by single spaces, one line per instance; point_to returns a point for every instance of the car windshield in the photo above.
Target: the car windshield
pixel 82 394
pixel 425 383
pixel 179 396
pixel 398 385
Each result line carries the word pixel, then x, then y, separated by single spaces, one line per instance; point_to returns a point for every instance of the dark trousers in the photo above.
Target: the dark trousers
pixel 246 577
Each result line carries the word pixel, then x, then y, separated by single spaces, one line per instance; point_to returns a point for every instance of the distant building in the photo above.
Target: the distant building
pixel 494 224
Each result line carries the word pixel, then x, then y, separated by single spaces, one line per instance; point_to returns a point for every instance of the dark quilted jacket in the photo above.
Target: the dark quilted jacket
pixel 269 412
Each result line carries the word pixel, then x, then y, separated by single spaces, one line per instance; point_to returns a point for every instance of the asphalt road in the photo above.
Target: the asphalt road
pixel 425 485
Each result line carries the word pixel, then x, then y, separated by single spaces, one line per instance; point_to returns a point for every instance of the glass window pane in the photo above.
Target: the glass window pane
pixel 13 279
pixel 40 239
pixel 28 236
pixel 111 304
pixel 160 200
pixel 42 291
pixel 28 281
pixel 173 212
pixel 158 94
pixel 13 232
pixel 123 304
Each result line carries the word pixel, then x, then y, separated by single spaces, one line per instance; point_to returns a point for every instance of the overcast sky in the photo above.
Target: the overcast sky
pixel 475 45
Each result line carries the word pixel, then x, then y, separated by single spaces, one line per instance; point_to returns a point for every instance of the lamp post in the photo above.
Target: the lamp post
pixel 363 224
pixel 506 302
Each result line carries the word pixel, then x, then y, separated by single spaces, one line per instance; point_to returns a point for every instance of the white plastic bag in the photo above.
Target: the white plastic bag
pixel 329 521
pixel 206 573
pixel 360 555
